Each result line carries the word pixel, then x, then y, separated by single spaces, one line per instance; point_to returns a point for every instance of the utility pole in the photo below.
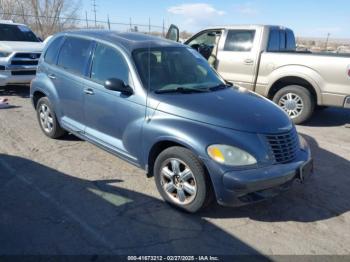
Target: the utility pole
pixel 86 19
pixel 94 10
pixel 109 23
pixel 163 28
pixel 328 35
pixel 149 25
pixel 130 24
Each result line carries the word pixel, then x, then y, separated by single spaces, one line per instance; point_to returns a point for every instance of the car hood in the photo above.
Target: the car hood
pixel 14 46
pixel 233 108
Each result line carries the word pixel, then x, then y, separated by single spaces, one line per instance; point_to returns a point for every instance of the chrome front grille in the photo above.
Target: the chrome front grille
pixel 25 59
pixel 24 63
pixel 284 146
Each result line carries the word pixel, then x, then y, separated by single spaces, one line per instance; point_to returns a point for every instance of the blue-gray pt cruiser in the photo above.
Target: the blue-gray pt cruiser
pixel 159 105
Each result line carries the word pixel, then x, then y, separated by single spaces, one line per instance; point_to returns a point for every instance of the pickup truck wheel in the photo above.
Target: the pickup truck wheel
pixel 181 179
pixel 47 119
pixel 297 101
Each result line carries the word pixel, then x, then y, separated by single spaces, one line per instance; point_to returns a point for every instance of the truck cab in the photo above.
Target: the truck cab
pixel 20 50
pixel 264 59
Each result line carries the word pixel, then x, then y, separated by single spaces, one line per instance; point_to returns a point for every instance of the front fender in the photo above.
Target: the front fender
pixel 197 136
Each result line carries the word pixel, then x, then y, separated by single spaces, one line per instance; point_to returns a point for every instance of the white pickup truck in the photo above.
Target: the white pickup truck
pixel 264 59
pixel 20 50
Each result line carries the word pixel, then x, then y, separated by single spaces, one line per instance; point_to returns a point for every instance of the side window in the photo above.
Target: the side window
pixel 239 40
pixel 52 50
pixel 207 38
pixel 274 41
pixel 282 39
pixel 290 44
pixel 75 54
pixel 109 63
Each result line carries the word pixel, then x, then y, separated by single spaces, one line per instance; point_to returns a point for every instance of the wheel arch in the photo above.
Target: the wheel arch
pixel 160 146
pixel 293 80
pixel 36 96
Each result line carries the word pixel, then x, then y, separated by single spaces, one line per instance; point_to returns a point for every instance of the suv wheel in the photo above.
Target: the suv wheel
pixel 47 119
pixel 181 179
pixel 296 101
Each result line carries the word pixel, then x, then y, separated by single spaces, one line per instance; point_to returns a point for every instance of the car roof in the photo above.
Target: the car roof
pixel 128 40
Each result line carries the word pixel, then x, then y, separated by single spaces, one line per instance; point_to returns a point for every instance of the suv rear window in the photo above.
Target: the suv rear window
pixel 239 40
pixel 75 54
pixel 52 50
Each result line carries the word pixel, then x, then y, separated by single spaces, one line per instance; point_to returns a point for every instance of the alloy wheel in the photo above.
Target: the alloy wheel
pixel 292 104
pixel 178 181
pixel 46 119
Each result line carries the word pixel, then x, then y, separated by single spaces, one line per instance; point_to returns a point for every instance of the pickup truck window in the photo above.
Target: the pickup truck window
pixel 239 40
pixel 52 50
pixel 108 63
pixel 208 38
pixel 281 40
pixel 74 55
pixel 17 33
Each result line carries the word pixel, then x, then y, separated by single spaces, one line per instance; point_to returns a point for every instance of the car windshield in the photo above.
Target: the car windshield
pixel 17 33
pixel 176 69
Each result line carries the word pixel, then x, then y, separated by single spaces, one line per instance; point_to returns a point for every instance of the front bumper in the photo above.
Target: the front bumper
pixel 6 78
pixel 242 187
pixel 11 74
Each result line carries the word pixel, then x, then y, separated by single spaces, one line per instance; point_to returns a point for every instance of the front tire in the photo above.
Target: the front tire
pixel 181 179
pixel 296 101
pixel 47 119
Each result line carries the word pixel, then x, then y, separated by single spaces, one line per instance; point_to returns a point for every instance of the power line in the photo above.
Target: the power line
pixel 81 20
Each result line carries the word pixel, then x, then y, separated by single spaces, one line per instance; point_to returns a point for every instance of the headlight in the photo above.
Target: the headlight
pixel 230 155
pixel 4 54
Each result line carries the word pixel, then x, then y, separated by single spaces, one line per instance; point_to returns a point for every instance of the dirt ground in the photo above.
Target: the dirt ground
pixel 69 197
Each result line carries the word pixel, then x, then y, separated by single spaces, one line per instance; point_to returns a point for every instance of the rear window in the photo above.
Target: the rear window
pixel 52 51
pixel 75 54
pixel 19 33
pixel 239 40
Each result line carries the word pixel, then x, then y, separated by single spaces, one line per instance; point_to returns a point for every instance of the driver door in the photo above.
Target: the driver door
pixel 208 39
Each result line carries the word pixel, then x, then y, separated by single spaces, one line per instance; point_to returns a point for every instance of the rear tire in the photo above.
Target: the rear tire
pixel 182 180
pixel 47 119
pixel 296 101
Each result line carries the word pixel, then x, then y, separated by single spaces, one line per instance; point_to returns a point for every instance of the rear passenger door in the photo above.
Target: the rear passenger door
pixel 237 58
pixel 72 67
pixel 112 119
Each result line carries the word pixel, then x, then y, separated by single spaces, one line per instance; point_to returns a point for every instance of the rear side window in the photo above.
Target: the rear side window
pixel 52 51
pixel 75 54
pixel 290 44
pixel 108 63
pixel 274 41
pixel 239 40
pixel 281 40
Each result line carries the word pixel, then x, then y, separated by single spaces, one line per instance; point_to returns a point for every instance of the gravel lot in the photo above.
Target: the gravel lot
pixel 69 197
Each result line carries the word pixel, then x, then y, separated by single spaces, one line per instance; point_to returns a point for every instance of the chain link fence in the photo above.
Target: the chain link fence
pixel 44 26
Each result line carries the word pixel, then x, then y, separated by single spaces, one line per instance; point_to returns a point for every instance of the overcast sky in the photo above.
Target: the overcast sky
pixel 308 18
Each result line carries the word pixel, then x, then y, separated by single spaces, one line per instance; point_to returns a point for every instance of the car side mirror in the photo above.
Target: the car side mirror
pixel 118 85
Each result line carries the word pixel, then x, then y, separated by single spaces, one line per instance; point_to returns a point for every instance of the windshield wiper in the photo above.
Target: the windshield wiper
pixel 180 89
pixel 218 87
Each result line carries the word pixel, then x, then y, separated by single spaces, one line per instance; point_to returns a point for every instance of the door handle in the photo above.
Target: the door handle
pixel 88 91
pixel 248 61
pixel 52 76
